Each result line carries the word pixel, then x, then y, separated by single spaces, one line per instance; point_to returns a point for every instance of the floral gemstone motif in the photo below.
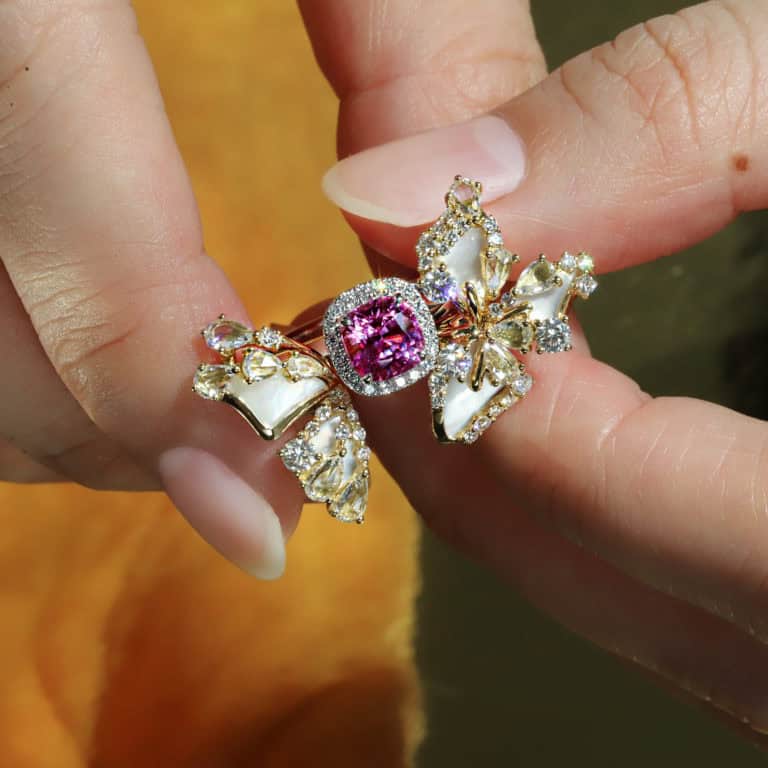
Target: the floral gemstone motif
pixel 383 338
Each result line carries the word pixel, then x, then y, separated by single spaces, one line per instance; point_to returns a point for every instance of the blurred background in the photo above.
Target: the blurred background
pixel 504 686
pixel 128 642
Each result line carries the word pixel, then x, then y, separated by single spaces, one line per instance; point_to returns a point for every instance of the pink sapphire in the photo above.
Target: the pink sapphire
pixel 383 338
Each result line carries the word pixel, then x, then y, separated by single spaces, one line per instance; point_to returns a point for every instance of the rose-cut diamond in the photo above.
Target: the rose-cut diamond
pixel 383 338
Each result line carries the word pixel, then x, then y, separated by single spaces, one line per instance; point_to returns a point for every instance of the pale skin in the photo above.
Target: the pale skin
pixel 639 523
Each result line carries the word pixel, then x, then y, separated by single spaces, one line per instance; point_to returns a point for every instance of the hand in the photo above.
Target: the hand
pixel 106 286
pixel 640 523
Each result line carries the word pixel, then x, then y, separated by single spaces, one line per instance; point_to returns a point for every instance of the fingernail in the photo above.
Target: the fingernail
pixel 224 509
pixel 404 182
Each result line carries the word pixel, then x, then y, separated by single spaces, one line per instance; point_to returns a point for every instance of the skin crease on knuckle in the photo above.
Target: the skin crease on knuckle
pixel 694 82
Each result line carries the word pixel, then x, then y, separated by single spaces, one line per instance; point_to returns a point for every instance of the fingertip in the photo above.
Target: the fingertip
pixel 225 510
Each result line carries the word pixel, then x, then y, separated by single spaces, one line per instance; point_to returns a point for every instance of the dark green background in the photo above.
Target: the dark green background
pixel 505 686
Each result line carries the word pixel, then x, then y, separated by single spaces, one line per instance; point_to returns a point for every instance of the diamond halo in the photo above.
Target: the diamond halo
pixel 341 310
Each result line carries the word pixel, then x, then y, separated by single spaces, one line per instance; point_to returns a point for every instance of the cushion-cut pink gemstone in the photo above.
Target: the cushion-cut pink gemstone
pixel 383 338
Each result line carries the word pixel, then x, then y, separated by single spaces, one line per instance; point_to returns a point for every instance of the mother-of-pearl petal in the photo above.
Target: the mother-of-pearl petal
pixel 554 301
pixel 463 260
pixel 462 403
pixel 275 402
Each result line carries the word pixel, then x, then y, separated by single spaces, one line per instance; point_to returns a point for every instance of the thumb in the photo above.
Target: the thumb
pixel 617 152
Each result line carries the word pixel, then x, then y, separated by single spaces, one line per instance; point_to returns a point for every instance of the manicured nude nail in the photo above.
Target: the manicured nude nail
pixel 225 511
pixel 403 182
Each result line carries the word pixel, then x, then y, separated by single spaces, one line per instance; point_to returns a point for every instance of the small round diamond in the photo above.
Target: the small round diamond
pixel 495 239
pixel 454 360
pixel 297 455
pixel 343 432
pixel 364 454
pixel 521 386
pixel 482 424
pixel 585 286
pixel 438 286
pixel 323 413
pixel 553 335
pixel 585 262
pixel 567 262
pixel 269 337
pixel 489 224
pixel 359 434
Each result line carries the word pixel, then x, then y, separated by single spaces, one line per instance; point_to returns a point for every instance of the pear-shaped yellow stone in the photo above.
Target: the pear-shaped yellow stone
pixel 325 479
pixel 258 365
pixel 350 505
pixel 499 364
pixel 303 367
pixel 514 333
pixel 537 278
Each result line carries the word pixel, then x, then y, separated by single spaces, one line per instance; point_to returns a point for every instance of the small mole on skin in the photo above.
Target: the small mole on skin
pixel 26 69
pixel 741 163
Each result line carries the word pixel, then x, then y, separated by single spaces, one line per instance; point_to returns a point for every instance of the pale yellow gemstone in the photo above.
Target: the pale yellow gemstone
pixel 496 265
pixel 303 367
pixel 585 262
pixel 499 363
pixel 351 503
pixel 259 365
pixel 513 333
pixel 325 479
pixel 536 278
pixel 211 381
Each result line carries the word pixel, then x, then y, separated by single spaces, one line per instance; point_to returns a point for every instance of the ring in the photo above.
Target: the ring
pixel 273 380
pixel 460 324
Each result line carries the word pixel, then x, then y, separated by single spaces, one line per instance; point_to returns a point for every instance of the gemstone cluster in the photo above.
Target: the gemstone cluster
pixel 380 336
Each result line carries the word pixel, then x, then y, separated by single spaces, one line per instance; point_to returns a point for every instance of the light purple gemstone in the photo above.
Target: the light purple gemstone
pixel 438 286
pixel 383 338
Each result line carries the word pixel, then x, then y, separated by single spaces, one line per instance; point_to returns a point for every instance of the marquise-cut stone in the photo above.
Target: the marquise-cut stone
pixel 211 381
pixel 495 267
pixel 303 367
pixel 514 333
pixel 349 506
pixel 537 278
pixel 383 338
pixel 226 335
pixel 259 365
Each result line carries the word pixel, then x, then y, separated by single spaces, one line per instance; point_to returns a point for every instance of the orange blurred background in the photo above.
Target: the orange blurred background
pixel 128 642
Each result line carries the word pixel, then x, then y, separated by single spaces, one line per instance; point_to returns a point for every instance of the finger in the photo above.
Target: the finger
pixel 114 278
pixel 43 420
pixel 17 467
pixel 464 503
pixel 406 67
pixel 635 149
